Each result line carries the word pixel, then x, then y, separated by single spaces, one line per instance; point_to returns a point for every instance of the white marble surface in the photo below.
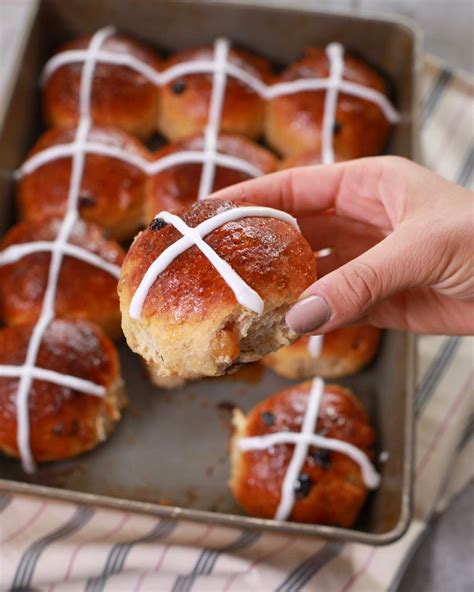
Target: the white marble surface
pixel 442 562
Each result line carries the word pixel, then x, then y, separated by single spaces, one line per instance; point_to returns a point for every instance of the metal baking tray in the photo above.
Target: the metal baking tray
pixel 169 454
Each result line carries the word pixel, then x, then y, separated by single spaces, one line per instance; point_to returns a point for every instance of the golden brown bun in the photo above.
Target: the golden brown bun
pixel 191 324
pixel 336 489
pixel 84 291
pixel 293 122
pixel 345 351
pixel 63 422
pixel 112 191
pixel 184 106
pixel 120 96
pixel 178 186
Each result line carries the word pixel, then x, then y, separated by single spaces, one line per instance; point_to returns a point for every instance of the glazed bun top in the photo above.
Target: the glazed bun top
pixel 294 121
pixel 324 481
pixel 62 421
pixel 121 44
pixel 85 290
pixel 184 103
pixel 340 417
pixel 246 60
pixel 107 135
pixel 112 189
pixel 120 95
pixel 88 236
pixel 269 254
pixel 75 348
pixel 178 186
pixel 315 64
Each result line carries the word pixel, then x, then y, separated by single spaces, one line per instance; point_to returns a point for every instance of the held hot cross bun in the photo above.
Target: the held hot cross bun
pixel 63 421
pixel 85 291
pixel 191 318
pixel 120 96
pixel 112 189
pixel 339 353
pixel 329 479
pixel 184 101
pixel 178 186
pixel 293 122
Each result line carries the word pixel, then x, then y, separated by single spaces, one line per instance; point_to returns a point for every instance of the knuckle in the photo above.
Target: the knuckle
pixel 242 188
pixel 288 192
pixel 362 284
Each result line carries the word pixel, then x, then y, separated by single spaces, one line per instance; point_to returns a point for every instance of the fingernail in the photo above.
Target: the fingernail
pixel 308 314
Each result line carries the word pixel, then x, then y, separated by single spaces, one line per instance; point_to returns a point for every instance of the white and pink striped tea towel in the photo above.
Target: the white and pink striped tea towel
pixel 52 546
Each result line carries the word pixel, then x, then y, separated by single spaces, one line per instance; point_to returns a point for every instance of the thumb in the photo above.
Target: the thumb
pixel 348 293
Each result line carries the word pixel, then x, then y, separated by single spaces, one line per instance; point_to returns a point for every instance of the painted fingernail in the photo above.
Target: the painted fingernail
pixel 308 314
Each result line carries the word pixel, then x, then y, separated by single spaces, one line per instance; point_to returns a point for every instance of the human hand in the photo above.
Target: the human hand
pixel 402 240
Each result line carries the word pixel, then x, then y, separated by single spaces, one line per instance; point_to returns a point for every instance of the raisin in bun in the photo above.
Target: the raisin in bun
pixel 188 322
pixel 178 186
pixel 63 422
pixel 293 122
pixel 84 291
pixel 120 96
pixel 329 488
pixel 112 190
pixel 184 102
pixel 340 353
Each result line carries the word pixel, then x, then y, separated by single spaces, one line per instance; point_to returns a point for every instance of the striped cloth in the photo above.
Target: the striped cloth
pixel 54 546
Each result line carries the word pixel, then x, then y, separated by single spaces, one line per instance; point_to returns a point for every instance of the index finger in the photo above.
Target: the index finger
pixel 351 188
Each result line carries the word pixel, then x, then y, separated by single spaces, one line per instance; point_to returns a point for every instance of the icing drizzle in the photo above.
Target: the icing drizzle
pixel 315 345
pixel 335 53
pixel 221 52
pixel 244 294
pixel 220 67
pixel 28 371
pixel 205 66
pixel 14 253
pixel 302 441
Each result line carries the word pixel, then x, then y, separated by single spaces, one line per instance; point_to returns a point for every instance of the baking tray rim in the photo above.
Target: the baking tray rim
pixel 242 521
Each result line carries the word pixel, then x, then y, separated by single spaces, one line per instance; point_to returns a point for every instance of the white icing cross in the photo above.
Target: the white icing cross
pixel 149 168
pixel 221 52
pixel 205 66
pixel 244 294
pixel 28 371
pixel 14 253
pixel 209 156
pixel 315 345
pixel 220 67
pixel 302 441
pixel 335 54
pixel 74 382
